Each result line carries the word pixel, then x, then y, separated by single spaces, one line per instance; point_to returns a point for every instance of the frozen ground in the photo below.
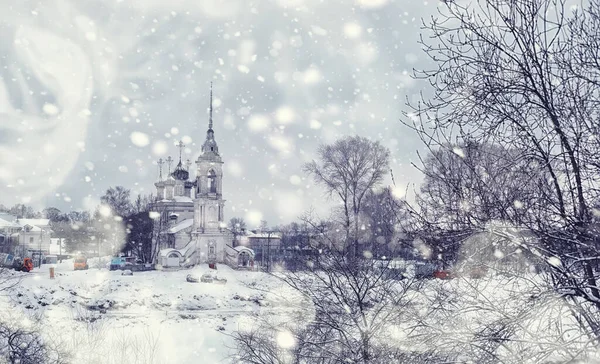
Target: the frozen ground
pixel 158 317
pixel 154 316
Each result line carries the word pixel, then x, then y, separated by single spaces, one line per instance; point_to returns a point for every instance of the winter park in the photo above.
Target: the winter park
pixel 300 181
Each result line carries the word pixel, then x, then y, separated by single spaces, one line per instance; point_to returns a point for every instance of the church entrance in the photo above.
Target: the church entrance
pixel 243 259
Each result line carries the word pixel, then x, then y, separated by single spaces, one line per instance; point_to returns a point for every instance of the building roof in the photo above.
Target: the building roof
pixel 31 228
pixel 5 224
pixel 182 199
pixel 274 235
pixel 241 248
pixel 8 217
pixel 182 225
pixel 34 222
pixel 166 252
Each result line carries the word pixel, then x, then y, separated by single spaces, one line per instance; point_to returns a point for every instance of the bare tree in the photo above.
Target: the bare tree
pixel 237 226
pixel 353 305
pixel 117 199
pixel 160 225
pixel 522 75
pixel 19 344
pixel 384 213
pixel 348 169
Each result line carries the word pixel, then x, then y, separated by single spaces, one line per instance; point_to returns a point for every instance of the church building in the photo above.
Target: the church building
pixel 190 226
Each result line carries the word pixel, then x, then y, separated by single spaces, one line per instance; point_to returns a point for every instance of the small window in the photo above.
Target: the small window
pixel 212 149
pixel 211 250
pixel 31 239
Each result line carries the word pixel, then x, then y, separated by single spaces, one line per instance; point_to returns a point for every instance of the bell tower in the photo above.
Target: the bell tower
pixel 209 204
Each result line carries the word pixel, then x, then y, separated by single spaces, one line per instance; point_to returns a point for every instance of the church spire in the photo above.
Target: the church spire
pixel 210 145
pixel 180 146
pixel 210 123
pixel 160 164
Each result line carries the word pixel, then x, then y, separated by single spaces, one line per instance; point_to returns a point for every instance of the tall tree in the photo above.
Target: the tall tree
pixel 139 235
pixel 142 203
pixel 264 225
pixel 348 169
pixel 237 226
pixel 383 213
pixel 52 213
pixel 117 199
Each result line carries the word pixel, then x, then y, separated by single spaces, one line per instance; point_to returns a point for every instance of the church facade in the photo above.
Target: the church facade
pixel 189 225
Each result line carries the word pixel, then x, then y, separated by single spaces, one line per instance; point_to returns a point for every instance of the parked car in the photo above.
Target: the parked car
pixel 424 270
pixel 80 263
pixel 6 260
pixel 25 265
pixel 117 263
pixel 443 274
pixel 206 278
pixel 51 259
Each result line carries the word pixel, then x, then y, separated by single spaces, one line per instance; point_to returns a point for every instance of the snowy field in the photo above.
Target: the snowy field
pixel 150 317
pixel 101 316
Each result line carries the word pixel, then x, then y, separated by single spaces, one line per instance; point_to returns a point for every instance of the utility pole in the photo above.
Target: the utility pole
pixel 269 251
pixel 40 250
pixel 262 256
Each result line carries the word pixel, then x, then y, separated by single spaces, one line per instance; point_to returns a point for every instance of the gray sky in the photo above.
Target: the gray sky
pixel 92 93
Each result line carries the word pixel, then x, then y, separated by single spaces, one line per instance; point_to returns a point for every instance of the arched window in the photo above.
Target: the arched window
pixel 212 181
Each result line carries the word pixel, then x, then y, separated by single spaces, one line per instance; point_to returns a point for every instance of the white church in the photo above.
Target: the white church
pixel 191 228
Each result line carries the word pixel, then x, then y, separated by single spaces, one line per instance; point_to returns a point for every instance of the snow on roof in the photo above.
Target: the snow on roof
pixel 263 235
pixel 30 228
pixel 4 223
pixel 182 225
pixel 34 222
pixel 241 248
pixel 182 199
pixel 8 217
pixel 166 252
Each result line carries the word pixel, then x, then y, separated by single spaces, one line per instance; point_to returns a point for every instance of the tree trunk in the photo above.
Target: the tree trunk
pixel 355 234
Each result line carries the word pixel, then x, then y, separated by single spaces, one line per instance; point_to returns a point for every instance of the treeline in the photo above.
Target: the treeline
pixel 118 224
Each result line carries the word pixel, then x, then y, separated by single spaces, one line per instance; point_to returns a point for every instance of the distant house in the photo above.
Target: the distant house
pixel 265 245
pixel 34 238
pixel 25 237
pixel 57 246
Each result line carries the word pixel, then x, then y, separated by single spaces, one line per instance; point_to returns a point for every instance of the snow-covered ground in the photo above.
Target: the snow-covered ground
pixel 149 317
pixel 158 317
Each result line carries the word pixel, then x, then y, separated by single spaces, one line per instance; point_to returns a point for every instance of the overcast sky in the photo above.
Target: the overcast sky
pixel 92 93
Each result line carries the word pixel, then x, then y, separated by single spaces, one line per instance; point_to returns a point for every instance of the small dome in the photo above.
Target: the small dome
pixel 179 173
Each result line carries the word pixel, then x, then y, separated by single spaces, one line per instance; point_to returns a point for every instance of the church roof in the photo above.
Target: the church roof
pixel 183 199
pixel 166 252
pixel 180 173
pixel 181 226
pixel 241 248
